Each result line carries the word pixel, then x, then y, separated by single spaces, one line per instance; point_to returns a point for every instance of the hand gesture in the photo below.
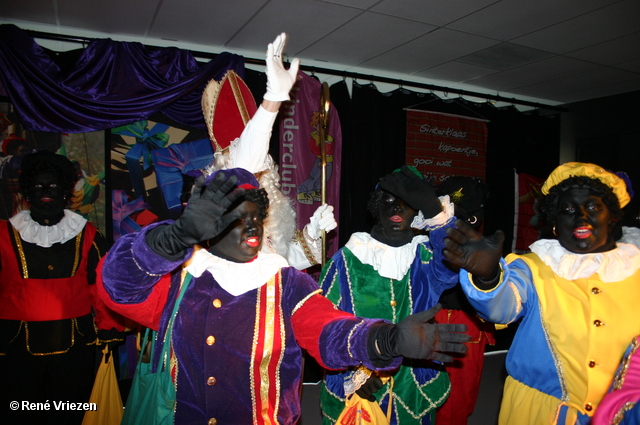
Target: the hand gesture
pixel 322 219
pixel 418 337
pixel 204 217
pixel 279 80
pixel 468 249
pixel 372 384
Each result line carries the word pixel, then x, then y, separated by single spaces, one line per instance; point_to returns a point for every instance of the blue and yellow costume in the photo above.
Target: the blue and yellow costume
pixel 578 315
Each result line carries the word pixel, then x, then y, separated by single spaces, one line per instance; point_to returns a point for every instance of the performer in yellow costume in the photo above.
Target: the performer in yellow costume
pixel 576 295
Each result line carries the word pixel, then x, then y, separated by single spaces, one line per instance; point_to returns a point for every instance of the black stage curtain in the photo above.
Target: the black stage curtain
pixel 373 144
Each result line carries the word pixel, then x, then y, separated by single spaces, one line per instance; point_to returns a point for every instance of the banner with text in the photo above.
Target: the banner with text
pixel 443 145
pixel 300 153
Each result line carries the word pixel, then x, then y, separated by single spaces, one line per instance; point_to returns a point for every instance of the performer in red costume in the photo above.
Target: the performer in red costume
pixel 48 257
pixel 469 196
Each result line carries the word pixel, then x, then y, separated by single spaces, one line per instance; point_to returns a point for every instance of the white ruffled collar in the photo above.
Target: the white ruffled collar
pixel 236 278
pixel 390 262
pixel 45 236
pixel 612 266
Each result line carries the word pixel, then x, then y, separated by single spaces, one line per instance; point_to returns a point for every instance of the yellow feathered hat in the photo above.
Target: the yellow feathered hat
pixel 577 169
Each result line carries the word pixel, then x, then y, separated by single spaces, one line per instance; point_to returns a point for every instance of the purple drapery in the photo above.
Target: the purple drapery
pixel 113 84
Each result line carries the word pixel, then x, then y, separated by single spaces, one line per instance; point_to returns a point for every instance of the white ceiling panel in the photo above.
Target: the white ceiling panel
pixel 358 4
pixel 535 73
pixel 613 52
pixel 633 66
pixel 131 18
pixel 435 12
pixel 546 51
pixel 428 51
pixel 41 11
pixel 456 72
pixel 360 40
pixel 605 24
pixel 504 56
pixel 505 20
pixel 217 22
pixel 313 21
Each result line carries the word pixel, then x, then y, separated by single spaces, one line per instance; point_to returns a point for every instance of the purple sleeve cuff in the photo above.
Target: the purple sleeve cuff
pixel 147 259
pixel 131 268
pixel 344 344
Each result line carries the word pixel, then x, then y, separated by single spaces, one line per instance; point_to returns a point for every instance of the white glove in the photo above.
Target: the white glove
pixel 279 80
pixel 322 219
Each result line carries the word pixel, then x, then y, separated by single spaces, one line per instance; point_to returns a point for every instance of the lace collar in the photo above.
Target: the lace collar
pixel 390 262
pixel 612 266
pixel 237 278
pixel 45 236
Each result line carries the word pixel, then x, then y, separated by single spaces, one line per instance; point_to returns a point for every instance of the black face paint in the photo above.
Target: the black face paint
pixel 46 198
pixel 394 221
pixel 240 242
pixel 584 223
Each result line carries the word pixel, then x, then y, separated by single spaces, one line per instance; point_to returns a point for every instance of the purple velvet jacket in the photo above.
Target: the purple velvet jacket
pixel 215 336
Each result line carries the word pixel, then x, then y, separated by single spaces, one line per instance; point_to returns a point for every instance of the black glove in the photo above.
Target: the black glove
pixel 468 249
pixel 413 337
pixel 373 384
pixel 203 218
pixel 416 191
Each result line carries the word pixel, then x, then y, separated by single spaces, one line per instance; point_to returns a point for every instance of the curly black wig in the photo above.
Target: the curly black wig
pixel 258 197
pixel 594 185
pixel 373 205
pixel 40 162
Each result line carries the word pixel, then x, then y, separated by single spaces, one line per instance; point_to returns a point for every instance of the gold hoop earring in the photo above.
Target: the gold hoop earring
pixel 475 219
pixel 554 231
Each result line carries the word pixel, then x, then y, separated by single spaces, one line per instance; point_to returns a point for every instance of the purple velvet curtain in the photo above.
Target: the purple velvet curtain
pixel 113 84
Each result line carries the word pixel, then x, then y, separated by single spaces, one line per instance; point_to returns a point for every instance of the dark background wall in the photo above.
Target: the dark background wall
pixel 606 132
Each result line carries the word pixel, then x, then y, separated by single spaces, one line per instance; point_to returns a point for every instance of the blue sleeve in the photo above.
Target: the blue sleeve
pixel 430 273
pixel 332 282
pixel 507 302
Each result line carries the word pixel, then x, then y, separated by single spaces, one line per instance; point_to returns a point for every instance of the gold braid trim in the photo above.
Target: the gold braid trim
pixel 621 413
pixel 74 326
pixel 23 258
pixel 76 260
pixel 299 237
pixel 237 94
pixel 95 245
pixel 304 300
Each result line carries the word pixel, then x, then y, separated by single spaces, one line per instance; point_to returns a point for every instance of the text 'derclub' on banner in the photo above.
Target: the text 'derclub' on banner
pixel 300 153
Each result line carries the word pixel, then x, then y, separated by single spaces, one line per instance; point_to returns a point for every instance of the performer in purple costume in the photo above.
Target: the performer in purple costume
pixel 246 317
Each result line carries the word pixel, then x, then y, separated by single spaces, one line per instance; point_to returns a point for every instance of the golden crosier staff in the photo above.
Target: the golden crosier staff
pixel 325 104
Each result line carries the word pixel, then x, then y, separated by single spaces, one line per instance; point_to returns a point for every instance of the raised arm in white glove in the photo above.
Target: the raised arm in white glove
pixel 322 219
pixel 251 149
pixel 279 80
pixel 306 249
